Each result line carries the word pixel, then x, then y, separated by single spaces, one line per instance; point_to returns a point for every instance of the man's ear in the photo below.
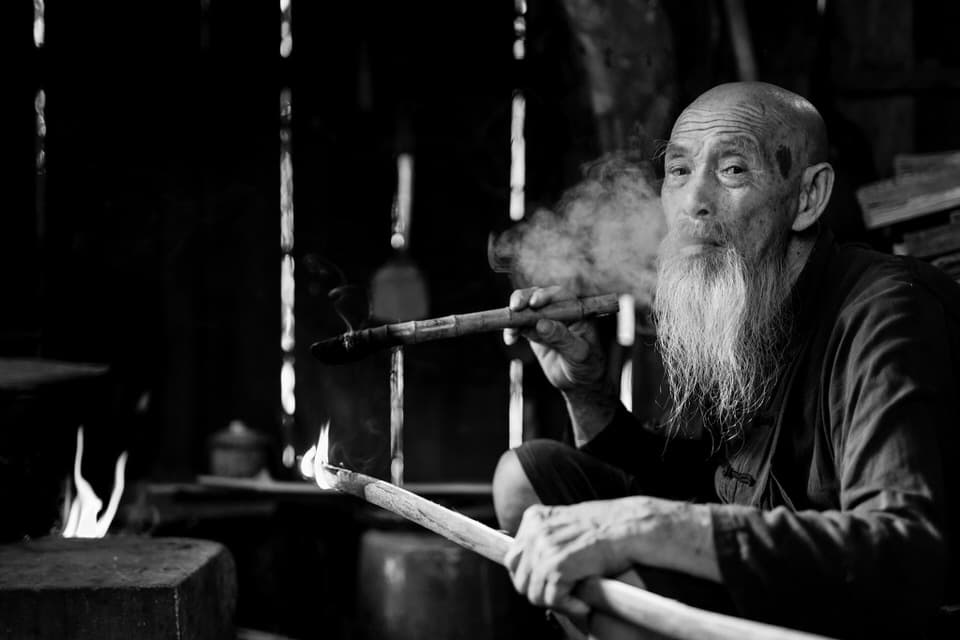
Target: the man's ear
pixel 816 184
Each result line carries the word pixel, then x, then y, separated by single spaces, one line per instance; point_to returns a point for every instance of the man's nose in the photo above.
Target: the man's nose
pixel 699 195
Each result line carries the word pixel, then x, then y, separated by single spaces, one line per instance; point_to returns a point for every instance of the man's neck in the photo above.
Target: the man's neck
pixel 799 248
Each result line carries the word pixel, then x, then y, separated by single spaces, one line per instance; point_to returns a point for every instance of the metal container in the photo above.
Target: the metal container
pixel 413 584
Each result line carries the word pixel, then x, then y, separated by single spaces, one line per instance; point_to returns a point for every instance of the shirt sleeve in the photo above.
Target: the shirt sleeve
pixel 874 567
pixel 677 467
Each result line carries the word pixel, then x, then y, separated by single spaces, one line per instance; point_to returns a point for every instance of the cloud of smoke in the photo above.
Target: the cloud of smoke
pixel 602 238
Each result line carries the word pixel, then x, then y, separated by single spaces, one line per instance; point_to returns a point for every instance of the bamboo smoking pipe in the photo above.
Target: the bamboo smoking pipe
pixel 354 345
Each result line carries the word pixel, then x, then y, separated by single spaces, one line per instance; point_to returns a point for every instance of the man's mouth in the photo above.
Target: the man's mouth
pixel 690 250
pixel 691 246
pixel 708 235
pixel 691 240
pixel 694 243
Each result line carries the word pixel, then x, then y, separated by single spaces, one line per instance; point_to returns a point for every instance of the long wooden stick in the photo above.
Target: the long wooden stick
pixel 348 347
pixel 642 608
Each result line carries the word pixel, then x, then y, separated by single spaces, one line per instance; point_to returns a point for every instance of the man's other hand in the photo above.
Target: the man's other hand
pixel 570 356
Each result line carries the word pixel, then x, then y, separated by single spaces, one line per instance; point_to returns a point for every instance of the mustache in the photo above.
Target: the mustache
pixel 687 231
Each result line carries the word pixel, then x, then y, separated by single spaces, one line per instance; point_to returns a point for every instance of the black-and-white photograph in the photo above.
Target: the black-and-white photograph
pixel 500 320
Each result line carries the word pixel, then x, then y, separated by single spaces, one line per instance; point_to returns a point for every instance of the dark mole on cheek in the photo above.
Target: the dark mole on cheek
pixel 784 160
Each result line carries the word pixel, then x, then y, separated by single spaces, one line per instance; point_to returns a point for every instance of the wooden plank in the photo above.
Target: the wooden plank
pixel 908 196
pixel 925 162
pixel 949 263
pixel 21 374
pixel 933 241
pixel 117 588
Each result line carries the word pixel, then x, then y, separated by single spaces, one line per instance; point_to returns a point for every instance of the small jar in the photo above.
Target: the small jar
pixel 237 451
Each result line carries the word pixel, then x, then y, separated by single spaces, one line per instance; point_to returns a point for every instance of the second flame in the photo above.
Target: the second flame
pixel 84 519
pixel 313 463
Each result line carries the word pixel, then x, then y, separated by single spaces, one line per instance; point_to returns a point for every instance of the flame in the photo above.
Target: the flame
pixel 322 475
pixel 82 521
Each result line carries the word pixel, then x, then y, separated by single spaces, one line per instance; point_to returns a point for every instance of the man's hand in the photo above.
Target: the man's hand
pixel 572 360
pixel 555 548
pixel 570 355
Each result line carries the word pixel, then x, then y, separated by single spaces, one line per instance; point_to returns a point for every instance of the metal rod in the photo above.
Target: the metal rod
pixel 352 346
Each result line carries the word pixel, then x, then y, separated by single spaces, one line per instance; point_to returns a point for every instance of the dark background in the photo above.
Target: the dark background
pixel 158 253
pixel 157 248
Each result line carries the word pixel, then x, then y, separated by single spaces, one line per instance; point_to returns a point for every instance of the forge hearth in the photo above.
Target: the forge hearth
pixel 114 588
pixel 42 402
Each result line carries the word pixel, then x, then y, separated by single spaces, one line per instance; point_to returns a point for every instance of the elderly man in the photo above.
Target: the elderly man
pixel 814 386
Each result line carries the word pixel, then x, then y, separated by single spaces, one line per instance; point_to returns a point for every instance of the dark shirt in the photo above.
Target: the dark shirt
pixel 832 512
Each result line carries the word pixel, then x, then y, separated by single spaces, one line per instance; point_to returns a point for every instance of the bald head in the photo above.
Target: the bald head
pixel 788 124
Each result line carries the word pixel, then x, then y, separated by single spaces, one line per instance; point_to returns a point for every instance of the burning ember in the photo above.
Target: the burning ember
pixel 82 521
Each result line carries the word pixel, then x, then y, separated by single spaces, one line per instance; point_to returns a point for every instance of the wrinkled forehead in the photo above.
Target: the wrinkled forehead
pixel 739 120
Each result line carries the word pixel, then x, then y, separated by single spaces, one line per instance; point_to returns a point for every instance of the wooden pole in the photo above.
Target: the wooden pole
pixel 396 415
pixel 639 607
pixel 740 38
pixel 351 346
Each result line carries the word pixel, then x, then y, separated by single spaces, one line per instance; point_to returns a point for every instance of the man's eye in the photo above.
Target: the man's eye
pixel 678 170
pixel 733 170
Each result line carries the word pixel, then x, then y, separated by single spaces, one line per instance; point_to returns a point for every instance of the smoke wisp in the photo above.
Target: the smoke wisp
pixel 602 237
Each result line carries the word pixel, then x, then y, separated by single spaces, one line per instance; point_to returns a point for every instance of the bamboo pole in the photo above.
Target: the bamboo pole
pixel 354 345
pixel 639 607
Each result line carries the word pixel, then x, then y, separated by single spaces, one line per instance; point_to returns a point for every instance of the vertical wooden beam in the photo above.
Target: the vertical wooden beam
pixel 518 179
pixel 741 40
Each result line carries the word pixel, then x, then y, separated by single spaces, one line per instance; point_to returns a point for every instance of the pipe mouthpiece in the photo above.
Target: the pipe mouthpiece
pixel 339 350
pixel 353 345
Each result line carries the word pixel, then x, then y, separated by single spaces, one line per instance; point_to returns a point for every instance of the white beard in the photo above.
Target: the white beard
pixel 722 325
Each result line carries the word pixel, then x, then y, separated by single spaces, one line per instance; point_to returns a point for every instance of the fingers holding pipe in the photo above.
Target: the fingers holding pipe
pixel 567 341
pixel 537 297
pixel 520 299
pixel 570 355
pixel 532 298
